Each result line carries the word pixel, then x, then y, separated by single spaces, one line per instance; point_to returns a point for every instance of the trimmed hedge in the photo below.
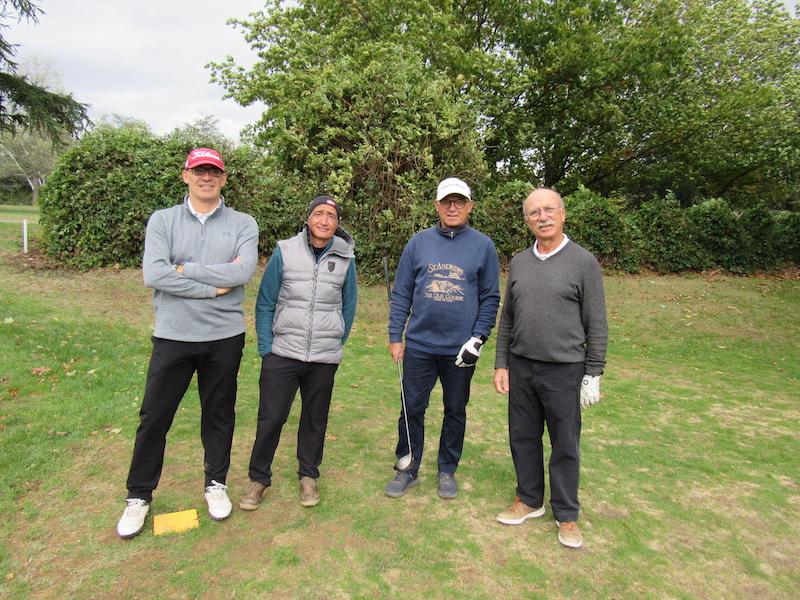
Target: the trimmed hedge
pixel 597 224
pixel 95 205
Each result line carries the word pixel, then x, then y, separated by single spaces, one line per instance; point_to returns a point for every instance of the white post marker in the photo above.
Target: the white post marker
pixel 25 236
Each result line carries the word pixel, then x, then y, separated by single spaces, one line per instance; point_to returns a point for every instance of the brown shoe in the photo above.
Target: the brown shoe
pixel 569 534
pixel 519 512
pixel 253 496
pixel 309 494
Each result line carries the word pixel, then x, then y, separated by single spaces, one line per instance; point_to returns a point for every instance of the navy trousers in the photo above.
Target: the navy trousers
pixel 172 365
pixel 420 372
pixel 539 393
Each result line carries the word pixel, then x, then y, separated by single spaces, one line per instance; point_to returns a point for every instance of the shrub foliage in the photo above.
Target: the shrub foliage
pixel 95 206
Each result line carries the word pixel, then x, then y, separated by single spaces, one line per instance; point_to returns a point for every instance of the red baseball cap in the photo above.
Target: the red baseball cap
pixel 204 156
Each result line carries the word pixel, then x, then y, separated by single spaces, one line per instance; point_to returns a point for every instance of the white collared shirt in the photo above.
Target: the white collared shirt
pixel 541 256
pixel 202 216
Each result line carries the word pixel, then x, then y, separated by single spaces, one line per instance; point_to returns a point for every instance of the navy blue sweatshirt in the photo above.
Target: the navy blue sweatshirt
pixel 448 281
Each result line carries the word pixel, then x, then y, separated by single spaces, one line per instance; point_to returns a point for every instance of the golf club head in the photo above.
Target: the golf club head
pixel 404 462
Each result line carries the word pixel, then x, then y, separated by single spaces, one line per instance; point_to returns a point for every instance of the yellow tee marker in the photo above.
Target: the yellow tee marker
pixel 175 522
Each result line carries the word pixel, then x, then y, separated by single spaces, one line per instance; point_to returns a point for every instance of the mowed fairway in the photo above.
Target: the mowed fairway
pixel 690 482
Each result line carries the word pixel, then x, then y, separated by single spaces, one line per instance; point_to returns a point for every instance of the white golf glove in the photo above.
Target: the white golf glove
pixel 590 390
pixel 469 353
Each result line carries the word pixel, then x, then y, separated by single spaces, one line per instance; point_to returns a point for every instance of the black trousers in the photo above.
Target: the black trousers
pixel 420 372
pixel 280 379
pixel 172 365
pixel 540 393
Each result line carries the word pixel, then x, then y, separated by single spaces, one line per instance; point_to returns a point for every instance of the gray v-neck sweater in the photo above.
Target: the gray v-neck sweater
pixel 554 310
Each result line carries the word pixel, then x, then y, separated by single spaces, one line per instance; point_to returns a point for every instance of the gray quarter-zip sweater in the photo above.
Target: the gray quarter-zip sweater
pixel 186 304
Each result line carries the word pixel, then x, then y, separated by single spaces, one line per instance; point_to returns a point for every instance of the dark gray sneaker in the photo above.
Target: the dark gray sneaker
pixel 399 485
pixel 447 486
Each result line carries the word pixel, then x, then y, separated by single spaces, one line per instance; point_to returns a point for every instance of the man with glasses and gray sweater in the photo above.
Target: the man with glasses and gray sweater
pixel 551 348
pixel 198 257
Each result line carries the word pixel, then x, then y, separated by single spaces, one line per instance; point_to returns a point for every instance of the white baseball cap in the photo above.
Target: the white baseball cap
pixel 452 185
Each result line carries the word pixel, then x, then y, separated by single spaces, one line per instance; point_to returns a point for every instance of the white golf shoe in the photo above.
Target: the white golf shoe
pixel 219 505
pixel 132 521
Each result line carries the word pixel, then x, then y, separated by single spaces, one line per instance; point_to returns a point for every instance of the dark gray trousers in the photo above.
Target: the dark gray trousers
pixel 546 393
pixel 280 379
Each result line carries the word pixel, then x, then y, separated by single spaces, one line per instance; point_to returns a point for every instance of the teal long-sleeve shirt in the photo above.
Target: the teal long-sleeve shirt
pixel 268 299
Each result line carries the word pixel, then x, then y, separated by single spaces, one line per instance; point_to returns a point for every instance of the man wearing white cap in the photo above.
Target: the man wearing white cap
pixel 198 256
pixel 445 298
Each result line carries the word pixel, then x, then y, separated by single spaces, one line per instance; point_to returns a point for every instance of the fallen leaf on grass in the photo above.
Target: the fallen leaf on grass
pixel 354 385
pixel 40 370
pixel 330 438
pixel 8 321
pixel 9 576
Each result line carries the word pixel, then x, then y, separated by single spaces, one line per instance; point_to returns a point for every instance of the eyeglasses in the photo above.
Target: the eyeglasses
pixel 460 203
pixel 213 171
pixel 547 210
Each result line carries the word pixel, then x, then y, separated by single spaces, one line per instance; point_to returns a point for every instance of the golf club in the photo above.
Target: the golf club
pixel 404 462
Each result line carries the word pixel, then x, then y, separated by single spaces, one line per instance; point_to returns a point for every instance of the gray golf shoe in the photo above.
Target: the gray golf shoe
pixel 448 488
pixel 399 485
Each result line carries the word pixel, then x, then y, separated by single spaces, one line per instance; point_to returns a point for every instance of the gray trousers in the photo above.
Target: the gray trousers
pixel 546 393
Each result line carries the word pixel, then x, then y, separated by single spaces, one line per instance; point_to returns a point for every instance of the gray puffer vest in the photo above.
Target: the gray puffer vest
pixel 308 323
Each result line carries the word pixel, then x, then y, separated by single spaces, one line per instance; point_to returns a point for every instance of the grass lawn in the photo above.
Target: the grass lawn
pixel 690 482
pixel 18 212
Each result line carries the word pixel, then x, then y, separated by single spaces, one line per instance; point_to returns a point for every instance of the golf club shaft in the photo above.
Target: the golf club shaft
pixel 405 412
pixel 399 368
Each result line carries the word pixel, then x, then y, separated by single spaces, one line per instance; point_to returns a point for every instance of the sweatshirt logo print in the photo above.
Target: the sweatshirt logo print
pixel 444 283
pixel 331 266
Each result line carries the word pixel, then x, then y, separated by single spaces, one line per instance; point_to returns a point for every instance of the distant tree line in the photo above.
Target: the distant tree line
pixel 684 109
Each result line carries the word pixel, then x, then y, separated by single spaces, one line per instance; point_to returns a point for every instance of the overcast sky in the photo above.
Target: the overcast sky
pixel 142 59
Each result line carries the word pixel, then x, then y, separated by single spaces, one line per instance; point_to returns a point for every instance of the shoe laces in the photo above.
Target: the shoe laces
pixel 133 506
pixel 216 490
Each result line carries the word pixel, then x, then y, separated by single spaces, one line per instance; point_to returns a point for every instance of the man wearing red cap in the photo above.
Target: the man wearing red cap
pixel 198 256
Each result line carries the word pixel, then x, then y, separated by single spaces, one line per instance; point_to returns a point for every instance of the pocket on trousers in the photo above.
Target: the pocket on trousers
pixel 561 377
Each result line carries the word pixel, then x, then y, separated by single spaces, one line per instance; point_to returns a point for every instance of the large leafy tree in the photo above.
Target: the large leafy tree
pixel 23 103
pixel 356 113
pixel 629 97
pixel 642 96
pixel 30 155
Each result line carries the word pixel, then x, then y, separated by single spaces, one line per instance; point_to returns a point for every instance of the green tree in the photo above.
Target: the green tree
pixel 30 155
pixel 24 105
pixel 355 114
pixel 725 123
